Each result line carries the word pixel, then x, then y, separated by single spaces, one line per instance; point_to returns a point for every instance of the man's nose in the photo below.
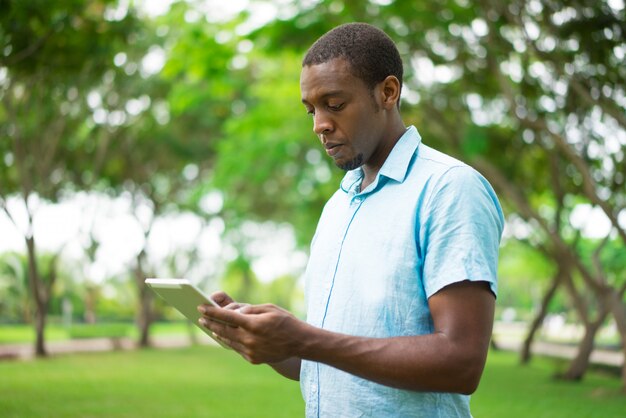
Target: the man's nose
pixel 322 123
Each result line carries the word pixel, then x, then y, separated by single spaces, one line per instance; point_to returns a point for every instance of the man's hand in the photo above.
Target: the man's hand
pixel 260 333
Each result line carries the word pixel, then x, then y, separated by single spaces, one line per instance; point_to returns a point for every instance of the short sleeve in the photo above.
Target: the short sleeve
pixel 460 230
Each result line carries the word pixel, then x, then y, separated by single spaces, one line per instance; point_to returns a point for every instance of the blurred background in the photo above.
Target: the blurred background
pixel 167 139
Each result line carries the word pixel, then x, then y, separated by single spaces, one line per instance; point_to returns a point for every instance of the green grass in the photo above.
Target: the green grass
pixel 212 382
pixel 20 333
pixel 190 382
pixel 14 334
pixel 510 390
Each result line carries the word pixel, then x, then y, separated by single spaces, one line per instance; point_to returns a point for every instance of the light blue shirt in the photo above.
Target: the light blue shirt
pixel 427 220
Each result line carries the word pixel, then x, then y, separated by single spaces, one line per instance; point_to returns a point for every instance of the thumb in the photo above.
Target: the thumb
pixel 222 298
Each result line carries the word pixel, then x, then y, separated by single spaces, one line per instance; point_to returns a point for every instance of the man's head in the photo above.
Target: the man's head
pixel 371 54
pixel 350 85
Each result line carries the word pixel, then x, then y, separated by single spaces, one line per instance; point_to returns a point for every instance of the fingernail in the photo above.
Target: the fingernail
pixel 201 309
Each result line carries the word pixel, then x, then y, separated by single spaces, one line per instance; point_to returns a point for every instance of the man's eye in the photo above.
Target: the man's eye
pixel 336 107
pixel 310 112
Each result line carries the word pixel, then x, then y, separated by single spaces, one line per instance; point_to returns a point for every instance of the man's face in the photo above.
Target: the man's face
pixel 346 115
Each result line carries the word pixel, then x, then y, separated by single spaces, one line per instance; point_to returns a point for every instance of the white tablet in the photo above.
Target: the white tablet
pixel 185 297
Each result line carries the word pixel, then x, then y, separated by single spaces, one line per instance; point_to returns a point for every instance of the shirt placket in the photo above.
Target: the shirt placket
pixel 324 298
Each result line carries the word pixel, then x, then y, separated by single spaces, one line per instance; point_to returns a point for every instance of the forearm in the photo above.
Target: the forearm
pixel 431 362
pixel 289 368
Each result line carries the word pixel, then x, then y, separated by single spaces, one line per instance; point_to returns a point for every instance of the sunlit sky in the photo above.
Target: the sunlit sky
pixel 66 226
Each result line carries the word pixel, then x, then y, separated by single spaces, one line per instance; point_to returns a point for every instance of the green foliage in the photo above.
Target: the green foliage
pixel 117 304
pixel 270 165
pixel 53 55
pixel 523 275
pixel 58 39
pixel 282 291
pixel 14 299
pixel 609 256
pixel 15 286
pixel 240 282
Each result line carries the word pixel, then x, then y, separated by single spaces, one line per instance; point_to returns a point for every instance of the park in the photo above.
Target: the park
pixel 168 139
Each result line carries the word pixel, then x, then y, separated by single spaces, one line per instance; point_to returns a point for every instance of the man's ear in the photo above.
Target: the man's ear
pixel 390 90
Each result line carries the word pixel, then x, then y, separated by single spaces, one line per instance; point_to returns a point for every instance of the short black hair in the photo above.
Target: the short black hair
pixel 371 53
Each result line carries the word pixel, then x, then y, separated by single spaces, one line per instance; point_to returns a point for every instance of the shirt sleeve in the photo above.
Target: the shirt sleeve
pixel 460 231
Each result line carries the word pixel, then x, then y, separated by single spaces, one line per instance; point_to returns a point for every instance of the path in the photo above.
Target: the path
pixel 599 357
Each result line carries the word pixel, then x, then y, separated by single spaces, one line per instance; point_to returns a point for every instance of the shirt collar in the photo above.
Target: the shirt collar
pixel 397 163
pixel 395 166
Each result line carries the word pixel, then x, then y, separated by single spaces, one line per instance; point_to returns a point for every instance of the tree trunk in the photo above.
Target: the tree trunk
pixel 40 327
pixel 525 353
pixel 145 319
pixel 90 304
pixel 39 296
pixel 618 310
pixel 144 313
pixel 580 363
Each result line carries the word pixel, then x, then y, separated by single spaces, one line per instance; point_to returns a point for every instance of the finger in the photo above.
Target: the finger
pixel 204 308
pixel 221 298
pixel 231 317
pixel 226 335
pixel 223 340
pixel 213 326
pixel 258 309
pixel 236 306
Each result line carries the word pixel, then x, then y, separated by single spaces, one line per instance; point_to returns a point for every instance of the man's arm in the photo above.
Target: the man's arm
pixel 451 359
pixel 289 368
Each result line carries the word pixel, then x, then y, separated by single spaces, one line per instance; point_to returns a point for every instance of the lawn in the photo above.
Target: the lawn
pixel 212 382
pixel 191 382
pixel 510 390
pixel 20 333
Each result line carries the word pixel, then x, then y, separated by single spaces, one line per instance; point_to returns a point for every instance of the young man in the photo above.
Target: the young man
pixel 401 279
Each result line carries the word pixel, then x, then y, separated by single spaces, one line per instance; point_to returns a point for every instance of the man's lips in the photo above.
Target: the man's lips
pixel 332 148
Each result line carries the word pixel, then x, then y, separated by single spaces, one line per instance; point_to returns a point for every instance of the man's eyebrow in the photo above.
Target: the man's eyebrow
pixel 326 95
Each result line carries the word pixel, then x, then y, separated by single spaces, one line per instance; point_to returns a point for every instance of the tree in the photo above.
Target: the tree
pixel 162 157
pixel 53 54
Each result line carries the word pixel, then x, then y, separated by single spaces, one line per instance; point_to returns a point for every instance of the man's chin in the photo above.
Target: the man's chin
pixel 353 164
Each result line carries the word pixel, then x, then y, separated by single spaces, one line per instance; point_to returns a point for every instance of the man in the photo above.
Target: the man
pixel 401 279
